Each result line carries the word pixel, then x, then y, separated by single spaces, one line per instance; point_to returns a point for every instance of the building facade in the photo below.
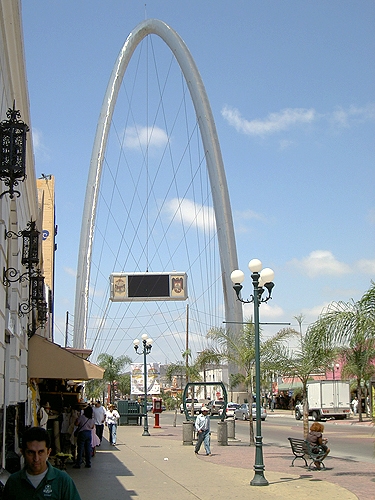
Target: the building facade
pixel 15 214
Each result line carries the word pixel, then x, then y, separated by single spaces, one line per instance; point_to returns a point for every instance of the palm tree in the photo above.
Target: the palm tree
pixel 352 326
pixel 313 355
pixel 113 369
pixel 94 389
pixel 124 384
pixel 203 360
pixel 240 350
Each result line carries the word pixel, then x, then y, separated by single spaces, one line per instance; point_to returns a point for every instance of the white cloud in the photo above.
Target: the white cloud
pixel 192 213
pixel 366 266
pixel 353 114
pixel 285 144
pixel 292 117
pixel 140 137
pixel 320 263
pixel 311 315
pixel 274 122
pixel 247 215
pixel 70 271
pixel 268 311
pixel 40 150
pixel 241 219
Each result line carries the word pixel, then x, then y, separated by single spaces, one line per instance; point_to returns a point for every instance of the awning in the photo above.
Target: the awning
pixel 290 386
pixel 49 360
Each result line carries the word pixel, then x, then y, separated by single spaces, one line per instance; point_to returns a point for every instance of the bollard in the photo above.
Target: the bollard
pixel 231 426
pixel 187 433
pixel 222 434
pixel 157 424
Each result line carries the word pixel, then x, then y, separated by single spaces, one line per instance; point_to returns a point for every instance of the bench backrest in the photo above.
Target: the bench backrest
pixel 297 445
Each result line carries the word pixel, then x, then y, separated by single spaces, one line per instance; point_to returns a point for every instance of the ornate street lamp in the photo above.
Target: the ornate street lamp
pixel 261 279
pixel 36 295
pixel 29 259
pixel 147 345
pixel 13 151
pixel 30 253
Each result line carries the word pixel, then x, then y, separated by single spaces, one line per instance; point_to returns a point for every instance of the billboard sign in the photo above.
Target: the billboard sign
pixel 127 287
pixel 137 379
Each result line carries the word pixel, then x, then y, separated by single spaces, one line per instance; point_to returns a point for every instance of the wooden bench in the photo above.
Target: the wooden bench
pixel 303 449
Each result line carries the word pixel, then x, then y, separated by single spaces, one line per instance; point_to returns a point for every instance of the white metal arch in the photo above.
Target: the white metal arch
pixel 220 197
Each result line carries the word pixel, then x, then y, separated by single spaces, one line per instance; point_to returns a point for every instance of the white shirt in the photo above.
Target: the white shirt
pixel 111 417
pixel 202 422
pixel 43 418
pixel 98 414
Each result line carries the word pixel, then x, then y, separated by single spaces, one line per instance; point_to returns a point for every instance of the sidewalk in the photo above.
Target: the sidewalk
pixel 160 466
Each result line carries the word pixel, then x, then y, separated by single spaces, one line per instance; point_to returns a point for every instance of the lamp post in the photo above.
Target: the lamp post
pixel 147 345
pixel 261 279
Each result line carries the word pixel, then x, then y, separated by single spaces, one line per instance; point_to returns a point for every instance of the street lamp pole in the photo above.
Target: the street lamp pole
pixel 261 279
pixel 147 345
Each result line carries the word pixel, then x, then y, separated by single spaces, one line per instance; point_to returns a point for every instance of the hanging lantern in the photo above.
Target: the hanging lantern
pixel 30 245
pixel 13 151
pixel 42 313
pixel 37 287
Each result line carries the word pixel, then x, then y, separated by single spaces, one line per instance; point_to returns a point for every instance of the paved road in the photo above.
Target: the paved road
pixel 348 439
pixel 160 465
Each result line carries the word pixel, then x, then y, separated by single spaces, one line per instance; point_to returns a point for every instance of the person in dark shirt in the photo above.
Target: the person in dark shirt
pixel 317 442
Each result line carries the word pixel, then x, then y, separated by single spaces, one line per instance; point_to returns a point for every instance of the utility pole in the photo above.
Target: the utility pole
pixel 66 328
pixel 187 344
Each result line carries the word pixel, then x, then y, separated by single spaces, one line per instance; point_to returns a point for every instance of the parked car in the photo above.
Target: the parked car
pixel 197 406
pixel 215 406
pixel 229 410
pixel 242 413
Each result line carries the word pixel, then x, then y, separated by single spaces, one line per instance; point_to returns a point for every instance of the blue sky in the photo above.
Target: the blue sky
pixel 291 86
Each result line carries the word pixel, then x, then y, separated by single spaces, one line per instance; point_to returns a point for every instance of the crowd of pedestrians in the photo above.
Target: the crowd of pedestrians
pixel 90 428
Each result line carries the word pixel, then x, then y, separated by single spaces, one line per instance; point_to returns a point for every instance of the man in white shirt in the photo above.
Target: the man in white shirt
pixel 99 417
pixel 202 426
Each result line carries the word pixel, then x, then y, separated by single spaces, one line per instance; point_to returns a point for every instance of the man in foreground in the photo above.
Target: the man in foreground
pixel 38 479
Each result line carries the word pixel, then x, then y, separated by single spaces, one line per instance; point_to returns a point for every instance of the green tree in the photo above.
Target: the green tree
pixel 124 384
pixel 240 350
pixel 352 327
pixel 313 355
pixel 113 369
pixel 94 389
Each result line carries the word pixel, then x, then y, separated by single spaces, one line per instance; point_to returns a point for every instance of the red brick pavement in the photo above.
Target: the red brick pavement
pixel 357 477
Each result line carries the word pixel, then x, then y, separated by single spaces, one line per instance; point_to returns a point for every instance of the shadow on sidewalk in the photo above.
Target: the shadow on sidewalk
pixel 103 480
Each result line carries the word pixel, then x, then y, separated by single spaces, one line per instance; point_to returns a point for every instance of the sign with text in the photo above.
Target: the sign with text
pixel 127 287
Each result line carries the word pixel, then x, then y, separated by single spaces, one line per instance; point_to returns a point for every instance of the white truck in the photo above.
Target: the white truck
pixel 327 399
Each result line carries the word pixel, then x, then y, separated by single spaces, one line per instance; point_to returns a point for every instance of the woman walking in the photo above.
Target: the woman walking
pixel 85 423
pixel 111 419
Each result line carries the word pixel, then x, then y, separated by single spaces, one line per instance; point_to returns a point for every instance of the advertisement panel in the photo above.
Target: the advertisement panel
pixel 137 378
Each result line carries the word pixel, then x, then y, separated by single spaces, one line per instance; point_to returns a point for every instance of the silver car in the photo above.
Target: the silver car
pixel 242 413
